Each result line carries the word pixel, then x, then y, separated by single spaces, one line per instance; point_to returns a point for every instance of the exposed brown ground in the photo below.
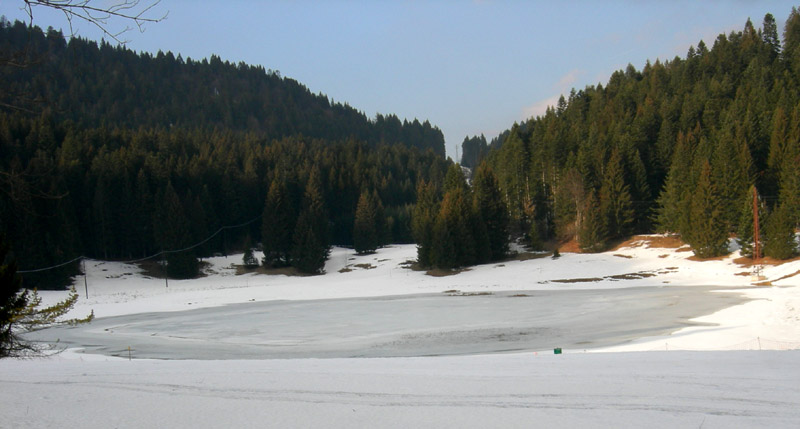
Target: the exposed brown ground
pixel 650 242
pixel 749 262
pixel 286 271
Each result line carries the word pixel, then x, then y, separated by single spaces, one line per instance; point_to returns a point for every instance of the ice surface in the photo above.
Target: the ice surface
pixel 408 325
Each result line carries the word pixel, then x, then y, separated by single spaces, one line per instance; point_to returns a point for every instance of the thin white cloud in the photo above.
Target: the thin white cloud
pixel 566 82
pixel 562 86
pixel 540 107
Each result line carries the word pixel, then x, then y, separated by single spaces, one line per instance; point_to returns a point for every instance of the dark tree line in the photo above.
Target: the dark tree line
pixel 123 194
pixel 675 147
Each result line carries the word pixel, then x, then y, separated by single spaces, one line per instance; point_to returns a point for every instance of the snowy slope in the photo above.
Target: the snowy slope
pixel 656 390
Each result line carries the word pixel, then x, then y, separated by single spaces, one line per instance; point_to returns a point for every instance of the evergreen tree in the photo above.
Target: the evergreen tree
pixel 615 199
pixel 454 179
pixel 454 223
pixel 492 211
pixel 745 233
pixel 789 191
pixel 249 259
pixel 443 248
pixel 309 252
pixel 535 237
pixel 731 167
pixel 12 301
pixel 424 218
pixel 381 222
pixel 480 235
pixel 143 208
pixel 592 234
pixel 707 235
pixel 473 150
pixel 174 235
pixel 365 233
pixel 769 34
pixel 277 225
pixel 675 199
pixel 311 237
pixel 791 40
pixel 21 311
pixel 780 240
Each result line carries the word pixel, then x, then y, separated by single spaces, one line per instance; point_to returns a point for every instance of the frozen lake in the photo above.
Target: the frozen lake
pixel 412 325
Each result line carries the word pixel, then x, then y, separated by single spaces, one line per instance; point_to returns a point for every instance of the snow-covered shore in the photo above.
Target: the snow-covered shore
pixel 773 314
pixel 625 387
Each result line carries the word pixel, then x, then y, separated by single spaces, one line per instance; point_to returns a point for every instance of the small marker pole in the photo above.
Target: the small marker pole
pixel 85 283
pixel 164 267
pixel 129 353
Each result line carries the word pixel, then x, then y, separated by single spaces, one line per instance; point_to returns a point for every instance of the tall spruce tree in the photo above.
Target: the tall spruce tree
pixel 365 227
pixel 442 253
pixel 277 225
pixel 675 199
pixel 423 221
pixel 492 211
pixel 707 233
pixel 592 234
pixel 731 173
pixel 382 229
pixel 174 235
pixel 615 199
pixel 311 236
pixel 455 214
pixel 779 234
pixel 789 192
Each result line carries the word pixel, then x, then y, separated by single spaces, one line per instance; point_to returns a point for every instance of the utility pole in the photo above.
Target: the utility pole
pixel 756 231
pixel 756 238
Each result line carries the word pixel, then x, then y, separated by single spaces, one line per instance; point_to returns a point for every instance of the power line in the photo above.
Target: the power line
pixel 163 252
pixel 50 268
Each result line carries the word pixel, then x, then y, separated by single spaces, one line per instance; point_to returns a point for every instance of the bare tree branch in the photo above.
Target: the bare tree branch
pixel 130 11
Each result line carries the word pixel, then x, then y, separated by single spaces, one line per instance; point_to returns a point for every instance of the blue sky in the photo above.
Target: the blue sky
pixel 470 67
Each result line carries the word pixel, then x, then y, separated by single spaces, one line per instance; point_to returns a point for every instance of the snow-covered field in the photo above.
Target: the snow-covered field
pixel 679 385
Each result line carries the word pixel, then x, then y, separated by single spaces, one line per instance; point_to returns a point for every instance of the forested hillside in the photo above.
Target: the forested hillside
pixel 115 155
pixel 674 147
pixel 100 84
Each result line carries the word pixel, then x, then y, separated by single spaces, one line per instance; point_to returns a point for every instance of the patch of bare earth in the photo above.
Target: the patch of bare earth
pixel 282 271
pixel 364 266
pixel 716 258
pixel 749 262
pixel 527 256
pixel 788 276
pixel 439 272
pixel 570 246
pixel 652 242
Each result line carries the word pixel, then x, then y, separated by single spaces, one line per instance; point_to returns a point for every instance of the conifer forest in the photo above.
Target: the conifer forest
pixel 111 154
